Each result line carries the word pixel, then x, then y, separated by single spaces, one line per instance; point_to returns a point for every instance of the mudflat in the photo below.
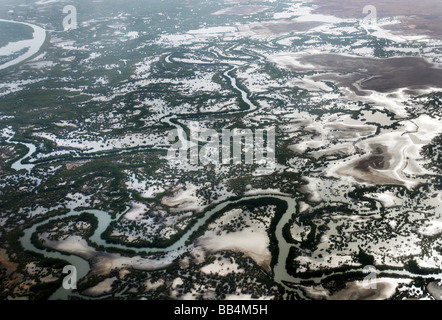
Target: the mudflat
pixel 417 17
pixel 382 75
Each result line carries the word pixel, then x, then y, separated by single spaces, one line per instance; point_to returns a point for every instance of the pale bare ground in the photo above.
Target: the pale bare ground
pixel 150 286
pixel 102 288
pixel 277 27
pixel 104 263
pixel 392 157
pixel 377 289
pixel 253 241
pixel 184 199
pixel 73 165
pixel 417 17
pixel 221 267
pixel 241 10
pixel 252 244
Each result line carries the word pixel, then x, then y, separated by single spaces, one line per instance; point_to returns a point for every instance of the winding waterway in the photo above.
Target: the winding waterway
pixel 31 46
pixel 176 249
pixel 104 219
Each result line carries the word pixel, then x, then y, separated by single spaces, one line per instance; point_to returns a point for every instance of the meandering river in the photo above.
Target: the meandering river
pixel 104 219
pixel 32 46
